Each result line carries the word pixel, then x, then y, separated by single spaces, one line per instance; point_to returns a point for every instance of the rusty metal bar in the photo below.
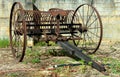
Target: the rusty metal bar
pixel 78 53
pixel 52 24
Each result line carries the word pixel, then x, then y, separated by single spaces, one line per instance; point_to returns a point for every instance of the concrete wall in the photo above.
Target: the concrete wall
pixel 108 9
pixel 5 7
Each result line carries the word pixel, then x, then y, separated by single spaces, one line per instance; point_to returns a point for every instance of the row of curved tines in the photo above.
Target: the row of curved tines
pixel 33 17
pixel 48 17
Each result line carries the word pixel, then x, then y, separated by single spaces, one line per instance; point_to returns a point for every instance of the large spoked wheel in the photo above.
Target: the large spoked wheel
pixel 17 31
pixel 91 29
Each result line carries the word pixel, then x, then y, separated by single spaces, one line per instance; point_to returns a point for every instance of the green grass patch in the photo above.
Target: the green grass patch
pixel 57 52
pixel 114 66
pixel 13 75
pixel 59 61
pixel 32 56
pixel 43 43
pixel 4 43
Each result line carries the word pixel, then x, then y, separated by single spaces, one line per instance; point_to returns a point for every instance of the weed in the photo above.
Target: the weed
pixel 42 43
pixel 112 64
pixel 13 75
pixel 52 43
pixel 58 61
pixel 57 53
pixel 35 60
pixel 32 56
pixel 112 48
pixel 115 66
pixel 90 63
pixel 4 43
pixel 63 72
pixel 83 67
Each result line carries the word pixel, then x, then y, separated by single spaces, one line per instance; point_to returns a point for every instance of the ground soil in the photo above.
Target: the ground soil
pixel 10 68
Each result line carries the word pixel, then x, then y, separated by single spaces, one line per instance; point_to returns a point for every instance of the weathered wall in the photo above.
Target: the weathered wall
pixel 108 9
pixel 5 7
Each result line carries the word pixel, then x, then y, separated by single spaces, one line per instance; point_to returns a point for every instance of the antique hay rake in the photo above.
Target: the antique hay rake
pixel 76 29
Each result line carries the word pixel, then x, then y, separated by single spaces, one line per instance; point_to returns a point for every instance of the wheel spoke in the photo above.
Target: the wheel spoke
pixel 93 21
pixel 94 34
pixel 83 15
pixel 87 15
pixel 90 17
pixel 91 39
pixel 82 18
pixel 84 40
pixel 90 30
pixel 94 28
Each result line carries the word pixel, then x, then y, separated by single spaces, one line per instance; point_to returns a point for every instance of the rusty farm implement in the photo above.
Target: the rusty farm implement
pixel 74 30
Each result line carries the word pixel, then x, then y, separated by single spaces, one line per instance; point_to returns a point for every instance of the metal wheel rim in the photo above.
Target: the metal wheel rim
pixel 100 27
pixel 13 36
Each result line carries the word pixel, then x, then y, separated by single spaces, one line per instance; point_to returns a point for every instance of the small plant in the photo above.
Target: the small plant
pixel 35 60
pixel 41 43
pixel 57 53
pixel 112 48
pixel 90 63
pixel 32 56
pixel 58 61
pixel 52 43
pixel 13 75
pixel 115 66
pixel 4 43
pixel 83 67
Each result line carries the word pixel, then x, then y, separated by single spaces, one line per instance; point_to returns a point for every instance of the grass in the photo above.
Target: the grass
pixel 58 61
pixel 17 74
pixel 42 43
pixel 112 65
pixel 4 43
pixel 112 48
pixel 13 75
pixel 57 52
pixel 32 56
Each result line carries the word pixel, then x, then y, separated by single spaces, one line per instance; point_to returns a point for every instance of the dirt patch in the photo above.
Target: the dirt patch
pixel 106 54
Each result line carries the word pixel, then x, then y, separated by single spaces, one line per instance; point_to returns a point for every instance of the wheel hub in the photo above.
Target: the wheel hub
pixel 83 29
